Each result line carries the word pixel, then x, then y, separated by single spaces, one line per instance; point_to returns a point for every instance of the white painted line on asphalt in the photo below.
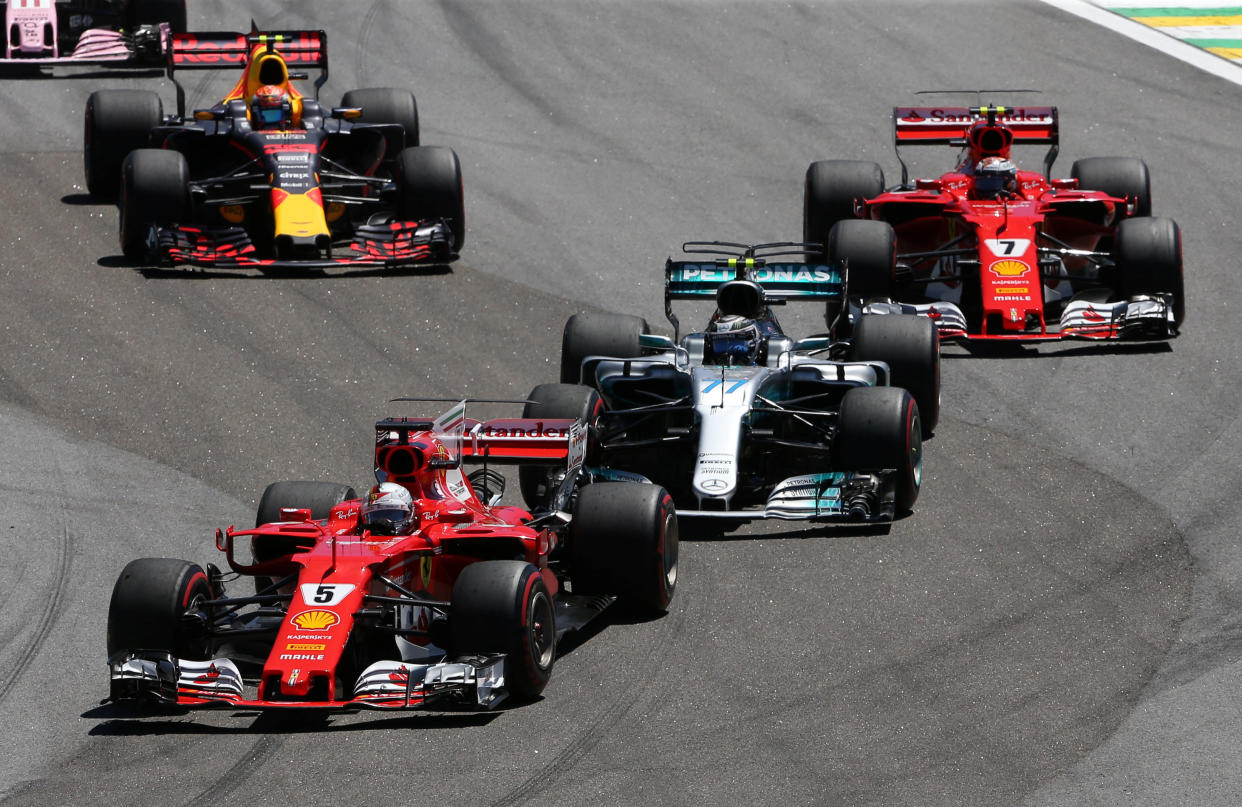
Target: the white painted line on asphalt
pixel 1164 43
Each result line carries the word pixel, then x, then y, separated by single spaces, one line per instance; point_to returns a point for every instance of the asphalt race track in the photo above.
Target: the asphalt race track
pixel 1057 623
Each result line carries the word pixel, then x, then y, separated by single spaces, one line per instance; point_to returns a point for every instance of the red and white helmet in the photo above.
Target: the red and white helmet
pixel 994 177
pixel 389 509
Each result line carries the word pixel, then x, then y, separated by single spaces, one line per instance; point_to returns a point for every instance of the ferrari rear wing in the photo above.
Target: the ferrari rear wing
pixel 949 126
pixel 1031 125
pixel 459 439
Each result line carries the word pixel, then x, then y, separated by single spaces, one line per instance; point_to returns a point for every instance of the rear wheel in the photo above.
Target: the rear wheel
pixel 1149 260
pixel 598 334
pixel 624 542
pixel 554 401
pixel 1117 176
pixel 154 193
pixel 503 606
pixel 429 188
pixel 911 348
pixel 318 497
pixel 388 105
pixel 117 122
pixel 148 604
pixel 878 427
pixel 833 188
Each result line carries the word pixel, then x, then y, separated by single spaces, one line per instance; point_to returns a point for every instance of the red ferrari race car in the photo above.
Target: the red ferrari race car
pixel 993 252
pixel 424 591
pixel 115 33
pixel 268 178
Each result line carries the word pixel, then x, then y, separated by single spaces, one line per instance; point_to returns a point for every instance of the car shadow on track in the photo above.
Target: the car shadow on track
pixel 64 70
pixel 127 721
pixel 1014 350
pixel 186 272
pixel 712 530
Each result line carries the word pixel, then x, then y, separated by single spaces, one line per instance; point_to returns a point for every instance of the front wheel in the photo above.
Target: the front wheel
pixel 878 427
pixel 503 606
pixel 910 346
pixel 154 193
pixel 1149 261
pixel 624 542
pixel 149 604
pixel 429 188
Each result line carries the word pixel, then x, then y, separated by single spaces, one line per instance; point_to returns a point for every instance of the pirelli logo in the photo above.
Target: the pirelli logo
pixel 305 647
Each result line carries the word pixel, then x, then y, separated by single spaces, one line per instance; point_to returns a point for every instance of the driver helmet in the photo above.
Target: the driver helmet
pixel 389 509
pixel 271 106
pixel 733 340
pixel 995 177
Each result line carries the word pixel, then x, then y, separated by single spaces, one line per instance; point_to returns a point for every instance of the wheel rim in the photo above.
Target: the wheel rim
pixel 916 451
pixel 669 552
pixel 541 630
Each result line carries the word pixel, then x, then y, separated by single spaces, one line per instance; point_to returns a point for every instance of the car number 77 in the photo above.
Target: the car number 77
pixel 737 385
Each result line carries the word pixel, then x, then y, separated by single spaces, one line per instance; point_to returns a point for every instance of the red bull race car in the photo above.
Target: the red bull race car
pixel 114 33
pixel 993 252
pixel 267 177
pixel 425 591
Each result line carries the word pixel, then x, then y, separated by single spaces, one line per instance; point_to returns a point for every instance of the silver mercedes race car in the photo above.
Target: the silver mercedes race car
pixel 740 421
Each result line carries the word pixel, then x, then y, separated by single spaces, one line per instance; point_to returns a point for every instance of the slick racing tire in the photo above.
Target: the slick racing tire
pixel 387 105
pixel 911 347
pixel 832 189
pixel 148 602
pixel 1149 260
pixel 503 606
pixel 318 497
pixel 429 188
pixel 598 334
pixel 623 541
pixel 153 12
pixel 878 427
pixel 1116 176
pixel 117 122
pixel 154 192
pixel 571 401
pixel 870 250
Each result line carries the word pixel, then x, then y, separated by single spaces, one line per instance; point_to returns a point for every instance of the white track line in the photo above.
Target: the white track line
pixel 1207 62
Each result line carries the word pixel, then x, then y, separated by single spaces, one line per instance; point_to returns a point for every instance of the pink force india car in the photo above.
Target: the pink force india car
pixel 445 597
pixel 993 252
pixel 98 32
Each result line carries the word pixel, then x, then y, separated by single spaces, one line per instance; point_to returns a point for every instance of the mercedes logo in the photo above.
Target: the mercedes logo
pixel 714 484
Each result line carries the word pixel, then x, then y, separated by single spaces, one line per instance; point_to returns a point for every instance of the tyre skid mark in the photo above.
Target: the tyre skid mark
pixel 228 782
pixel 51 610
pixel 543 779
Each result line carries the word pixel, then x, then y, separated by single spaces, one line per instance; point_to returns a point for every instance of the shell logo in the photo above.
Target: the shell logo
pixel 1010 268
pixel 315 620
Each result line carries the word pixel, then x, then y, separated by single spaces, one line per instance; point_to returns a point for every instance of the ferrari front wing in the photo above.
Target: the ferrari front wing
pixel 162 679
